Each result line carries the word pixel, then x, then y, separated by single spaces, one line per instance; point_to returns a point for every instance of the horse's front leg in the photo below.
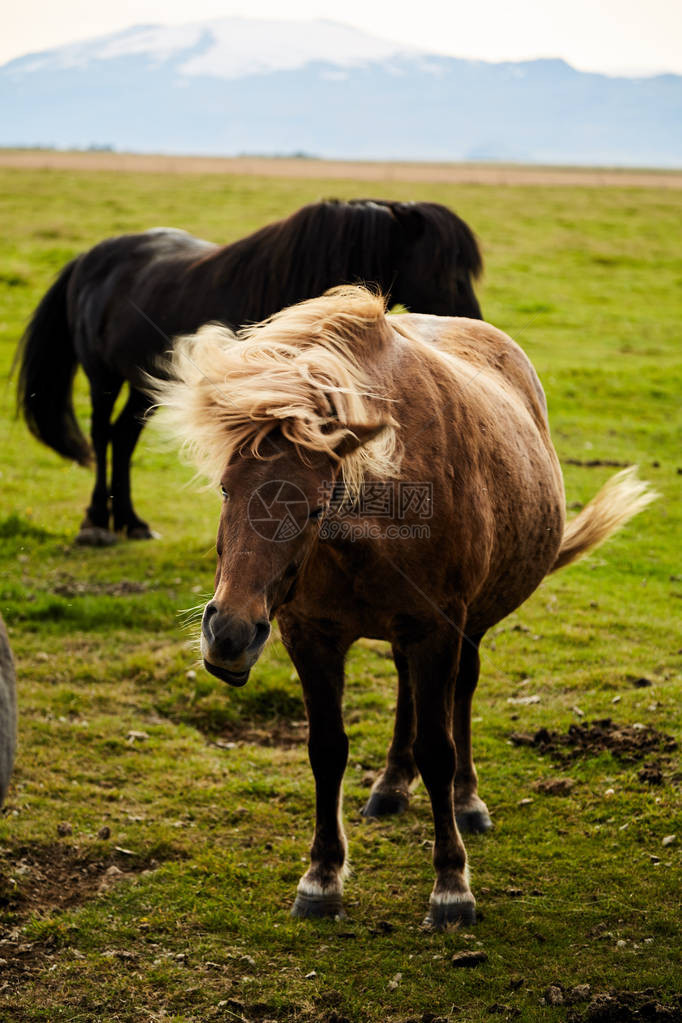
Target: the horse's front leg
pixel 320 665
pixel 433 665
pixel 391 791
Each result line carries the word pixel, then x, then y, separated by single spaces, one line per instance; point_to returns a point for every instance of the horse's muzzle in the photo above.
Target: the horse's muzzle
pixel 230 645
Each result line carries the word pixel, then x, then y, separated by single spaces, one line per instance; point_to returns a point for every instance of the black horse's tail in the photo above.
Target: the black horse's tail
pixel 47 366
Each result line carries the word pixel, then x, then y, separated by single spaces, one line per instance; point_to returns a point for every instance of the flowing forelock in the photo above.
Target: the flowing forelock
pixel 304 373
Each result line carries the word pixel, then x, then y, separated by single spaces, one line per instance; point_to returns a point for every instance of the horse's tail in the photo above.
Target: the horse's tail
pixel 619 499
pixel 47 365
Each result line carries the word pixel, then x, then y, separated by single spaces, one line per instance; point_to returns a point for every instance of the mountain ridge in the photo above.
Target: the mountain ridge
pixel 239 85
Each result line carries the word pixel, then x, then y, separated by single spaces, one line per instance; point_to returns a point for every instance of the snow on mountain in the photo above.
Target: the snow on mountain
pixel 227 47
pixel 241 85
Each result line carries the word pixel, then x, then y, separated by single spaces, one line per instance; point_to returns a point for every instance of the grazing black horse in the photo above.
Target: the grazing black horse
pixel 116 308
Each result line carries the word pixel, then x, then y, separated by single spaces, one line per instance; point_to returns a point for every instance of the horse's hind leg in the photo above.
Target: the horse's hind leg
pixel 472 813
pixel 94 529
pixel 319 662
pixel 433 663
pixel 124 437
pixel 391 791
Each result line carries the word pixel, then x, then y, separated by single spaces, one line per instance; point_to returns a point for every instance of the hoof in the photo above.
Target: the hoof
pixel 95 536
pixel 142 532
pixel 318 906
pixel 385 804
pixel 443 914
pixel 473 822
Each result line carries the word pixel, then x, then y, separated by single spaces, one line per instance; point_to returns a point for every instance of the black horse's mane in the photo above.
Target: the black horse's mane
pixel 353 241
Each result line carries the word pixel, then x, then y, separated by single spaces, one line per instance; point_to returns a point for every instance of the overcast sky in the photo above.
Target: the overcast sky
pixel 614 36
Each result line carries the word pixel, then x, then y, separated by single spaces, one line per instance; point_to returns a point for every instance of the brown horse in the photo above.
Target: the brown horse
pixel 387 477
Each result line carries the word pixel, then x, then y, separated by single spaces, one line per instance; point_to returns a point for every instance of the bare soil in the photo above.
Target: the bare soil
pixel 39 879
pixel 290 167
pixel 628 1007
pixel 279 732
pixel 627 742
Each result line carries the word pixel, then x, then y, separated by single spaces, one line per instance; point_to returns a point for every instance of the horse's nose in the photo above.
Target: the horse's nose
pixel 228 636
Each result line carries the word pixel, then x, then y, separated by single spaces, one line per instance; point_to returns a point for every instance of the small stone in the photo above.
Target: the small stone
pixel 669 839
pixel 580 993
pixel 469 958
pixel 621 943
pixel 191 674
pixel 554 995
pixel 609 793
pixel 311 975
pixel 393 984
pixel 134 736
pixel 104 833
pixel 526 801
pixel 64 828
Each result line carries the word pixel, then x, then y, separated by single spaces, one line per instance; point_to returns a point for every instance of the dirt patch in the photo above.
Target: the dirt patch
pixel 39 879
pixel 629 1007
pixel 280 732
pixel 67 586
pixel 554 786
pixel 436 173
pixel 593 463
pixel 627 742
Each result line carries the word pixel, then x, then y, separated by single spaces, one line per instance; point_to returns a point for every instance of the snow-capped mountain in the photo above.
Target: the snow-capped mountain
pixel 225 48
pixel 241 85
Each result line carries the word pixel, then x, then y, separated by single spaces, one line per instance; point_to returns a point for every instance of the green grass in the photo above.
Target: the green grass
pixel 588 281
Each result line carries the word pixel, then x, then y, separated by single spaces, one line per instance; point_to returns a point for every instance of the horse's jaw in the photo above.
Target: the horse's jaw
pixel 233 678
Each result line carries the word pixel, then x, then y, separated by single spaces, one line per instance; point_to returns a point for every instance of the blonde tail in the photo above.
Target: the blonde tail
pixel 618 500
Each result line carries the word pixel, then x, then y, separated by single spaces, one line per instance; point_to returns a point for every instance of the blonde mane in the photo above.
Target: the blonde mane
pixel 303 371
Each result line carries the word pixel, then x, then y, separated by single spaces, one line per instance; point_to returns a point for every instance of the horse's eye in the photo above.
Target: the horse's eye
pixel 224 493
pixel 317 513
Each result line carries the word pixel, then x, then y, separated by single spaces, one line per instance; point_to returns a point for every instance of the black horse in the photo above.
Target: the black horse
pixel 117 307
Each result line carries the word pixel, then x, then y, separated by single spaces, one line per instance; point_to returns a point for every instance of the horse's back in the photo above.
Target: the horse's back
pixel 480 348
pixel 120 296
pixel 8 712
pixel 499 488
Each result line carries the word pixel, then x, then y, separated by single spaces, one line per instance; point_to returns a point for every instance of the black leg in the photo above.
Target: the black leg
pixel 95 527
pixel 320 665
pixel 124 437
pixel 391 791
pixel 472 813
pixel 433 664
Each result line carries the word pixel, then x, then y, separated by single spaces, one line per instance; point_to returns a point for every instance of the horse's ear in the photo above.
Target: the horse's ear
pixel 357 437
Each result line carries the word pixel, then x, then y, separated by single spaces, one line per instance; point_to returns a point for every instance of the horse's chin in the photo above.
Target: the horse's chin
pixel 233 678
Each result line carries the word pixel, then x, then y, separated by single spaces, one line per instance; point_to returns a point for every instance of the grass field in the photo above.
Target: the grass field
pixel 158 823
